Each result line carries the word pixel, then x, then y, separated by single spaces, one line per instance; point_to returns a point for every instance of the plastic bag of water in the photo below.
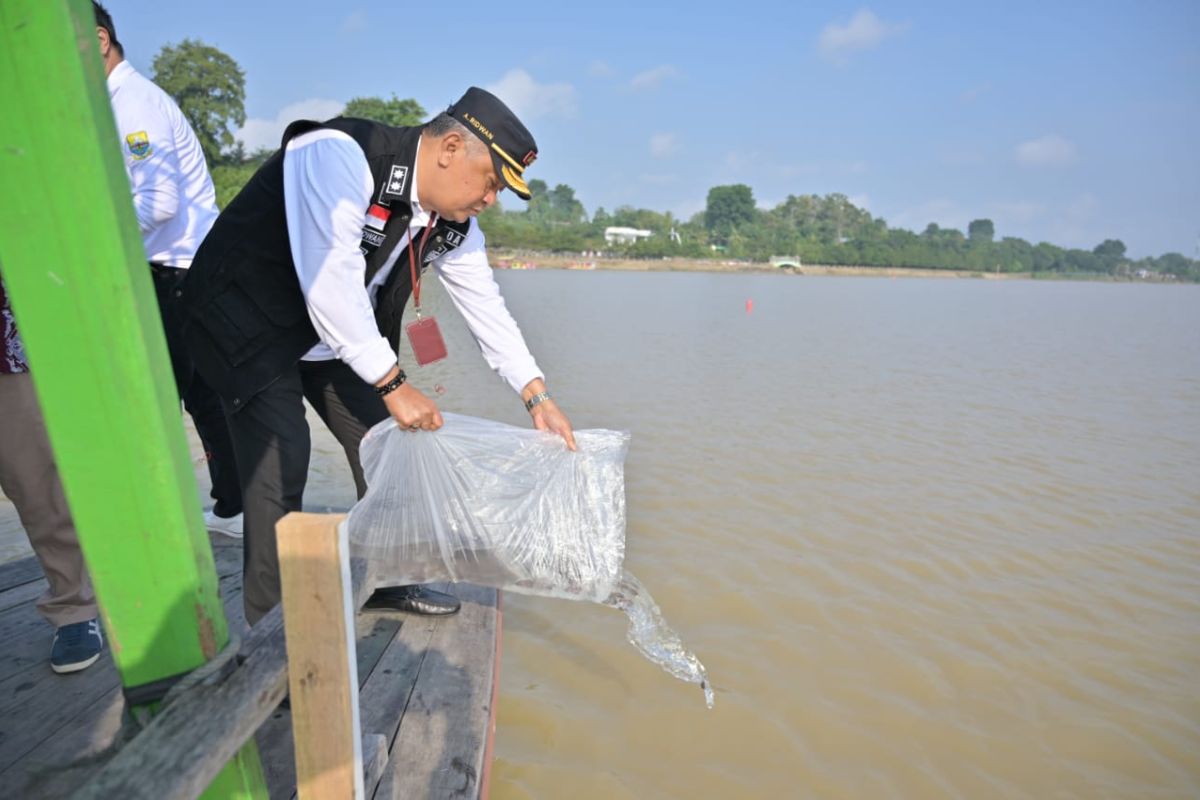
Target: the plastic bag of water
pixel 512 508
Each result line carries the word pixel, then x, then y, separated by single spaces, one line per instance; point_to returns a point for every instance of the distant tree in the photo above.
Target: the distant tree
pixel 642 218
pixel 397 112
pixel 728 208
pixel 1110 249
pixel 564 207
pixel 210 89
pixel 231 175
pixel 981 231
pixel 538 207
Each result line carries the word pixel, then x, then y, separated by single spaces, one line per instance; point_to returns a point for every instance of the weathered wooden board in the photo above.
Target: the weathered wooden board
pixel 440 746
pixel 49 721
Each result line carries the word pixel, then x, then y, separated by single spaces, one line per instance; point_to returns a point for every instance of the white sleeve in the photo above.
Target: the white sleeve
pixel 150 161
pixel 326 188
pixel 468 279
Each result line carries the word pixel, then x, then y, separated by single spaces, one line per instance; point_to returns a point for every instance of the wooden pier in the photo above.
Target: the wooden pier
pixel 427 688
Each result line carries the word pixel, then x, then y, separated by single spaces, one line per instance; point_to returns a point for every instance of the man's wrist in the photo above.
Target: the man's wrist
pixel 391 384
pixel 537 400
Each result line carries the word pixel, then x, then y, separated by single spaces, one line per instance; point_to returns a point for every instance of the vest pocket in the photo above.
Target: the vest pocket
pixel 236 324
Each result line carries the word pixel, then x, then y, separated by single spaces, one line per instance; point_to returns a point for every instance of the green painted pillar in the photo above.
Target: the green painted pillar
pixel 73 263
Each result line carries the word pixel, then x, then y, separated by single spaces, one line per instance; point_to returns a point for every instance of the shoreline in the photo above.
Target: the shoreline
pixel 523 261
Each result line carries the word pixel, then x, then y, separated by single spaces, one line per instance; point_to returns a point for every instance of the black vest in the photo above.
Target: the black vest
pixel 245 316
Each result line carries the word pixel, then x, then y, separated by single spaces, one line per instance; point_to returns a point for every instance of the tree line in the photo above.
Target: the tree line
pixel 210 89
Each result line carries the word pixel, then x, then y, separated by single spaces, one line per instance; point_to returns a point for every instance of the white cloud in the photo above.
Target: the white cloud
pixel 258 133
pixel 600 69
pixel 653 78
pixel 662 145
pixel 860 201
pixel 1051 150
pixel 357 21
pixel 863 32
pixel 529 99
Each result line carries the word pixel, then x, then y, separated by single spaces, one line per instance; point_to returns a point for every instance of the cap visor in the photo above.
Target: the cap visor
pixel 515 182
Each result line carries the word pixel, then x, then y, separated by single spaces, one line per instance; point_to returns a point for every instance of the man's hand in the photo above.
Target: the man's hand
pixel 412 410
pixel 546 415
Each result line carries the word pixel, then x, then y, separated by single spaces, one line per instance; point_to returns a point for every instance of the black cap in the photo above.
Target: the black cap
pixel 510 143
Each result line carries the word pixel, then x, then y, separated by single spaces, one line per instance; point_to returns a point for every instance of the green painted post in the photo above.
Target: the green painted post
pixel 75 269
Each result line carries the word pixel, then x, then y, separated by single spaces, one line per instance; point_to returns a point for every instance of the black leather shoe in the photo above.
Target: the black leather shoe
pixel 415 600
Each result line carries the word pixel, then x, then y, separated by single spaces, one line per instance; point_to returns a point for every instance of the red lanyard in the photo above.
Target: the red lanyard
pixel 412 262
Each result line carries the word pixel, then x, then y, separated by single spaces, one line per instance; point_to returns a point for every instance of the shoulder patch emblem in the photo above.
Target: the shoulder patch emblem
pixel 138 144
pixel 394 185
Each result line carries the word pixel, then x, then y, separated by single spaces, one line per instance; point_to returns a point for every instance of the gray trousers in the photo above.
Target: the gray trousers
pixel 29 478
pixel 272 443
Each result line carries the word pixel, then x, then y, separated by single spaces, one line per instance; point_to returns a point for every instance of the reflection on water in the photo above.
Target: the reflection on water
pixel 933 538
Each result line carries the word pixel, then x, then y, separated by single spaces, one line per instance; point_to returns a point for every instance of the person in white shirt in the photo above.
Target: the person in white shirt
pixel 175 204
pixel 299 289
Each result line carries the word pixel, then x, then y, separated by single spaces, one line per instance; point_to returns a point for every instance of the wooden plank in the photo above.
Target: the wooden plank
pixel 39 703
pixel 375 760
pixel 36 704
pixel 26 637
pixel 386 691
pixel 22 581
pixel 318 615
pixel 374 633
pixel 20 595
pixel 274 738
pixel 185 745
pixel 15 573
pixel 63 762
pixel 440 747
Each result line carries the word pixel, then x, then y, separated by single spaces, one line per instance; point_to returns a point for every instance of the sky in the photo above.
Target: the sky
pixel 1066 122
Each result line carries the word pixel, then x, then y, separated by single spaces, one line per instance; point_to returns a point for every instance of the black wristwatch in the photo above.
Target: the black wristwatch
pixel 391 385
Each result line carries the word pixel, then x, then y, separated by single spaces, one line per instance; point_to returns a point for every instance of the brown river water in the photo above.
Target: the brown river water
pixel 931 538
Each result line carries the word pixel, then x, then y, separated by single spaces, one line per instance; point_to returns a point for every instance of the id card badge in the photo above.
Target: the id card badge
pixel 426 340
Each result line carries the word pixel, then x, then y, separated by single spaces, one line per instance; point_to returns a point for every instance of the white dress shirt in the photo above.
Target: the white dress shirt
pixel 327 188
pixel 172 192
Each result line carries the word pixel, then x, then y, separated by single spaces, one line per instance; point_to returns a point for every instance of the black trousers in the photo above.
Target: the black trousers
pixel 201 402
pixel 273 446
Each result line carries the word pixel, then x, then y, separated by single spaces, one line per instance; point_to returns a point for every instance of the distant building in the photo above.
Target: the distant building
pixel 625 235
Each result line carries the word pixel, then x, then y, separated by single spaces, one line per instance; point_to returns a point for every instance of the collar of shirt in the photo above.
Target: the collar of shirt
pixel 420 217
pixel 118 76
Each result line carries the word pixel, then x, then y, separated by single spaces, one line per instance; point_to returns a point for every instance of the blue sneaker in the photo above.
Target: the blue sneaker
pixel 76 646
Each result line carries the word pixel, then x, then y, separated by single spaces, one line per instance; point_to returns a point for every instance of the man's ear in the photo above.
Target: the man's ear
pixel 105 44
pixel 450 147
